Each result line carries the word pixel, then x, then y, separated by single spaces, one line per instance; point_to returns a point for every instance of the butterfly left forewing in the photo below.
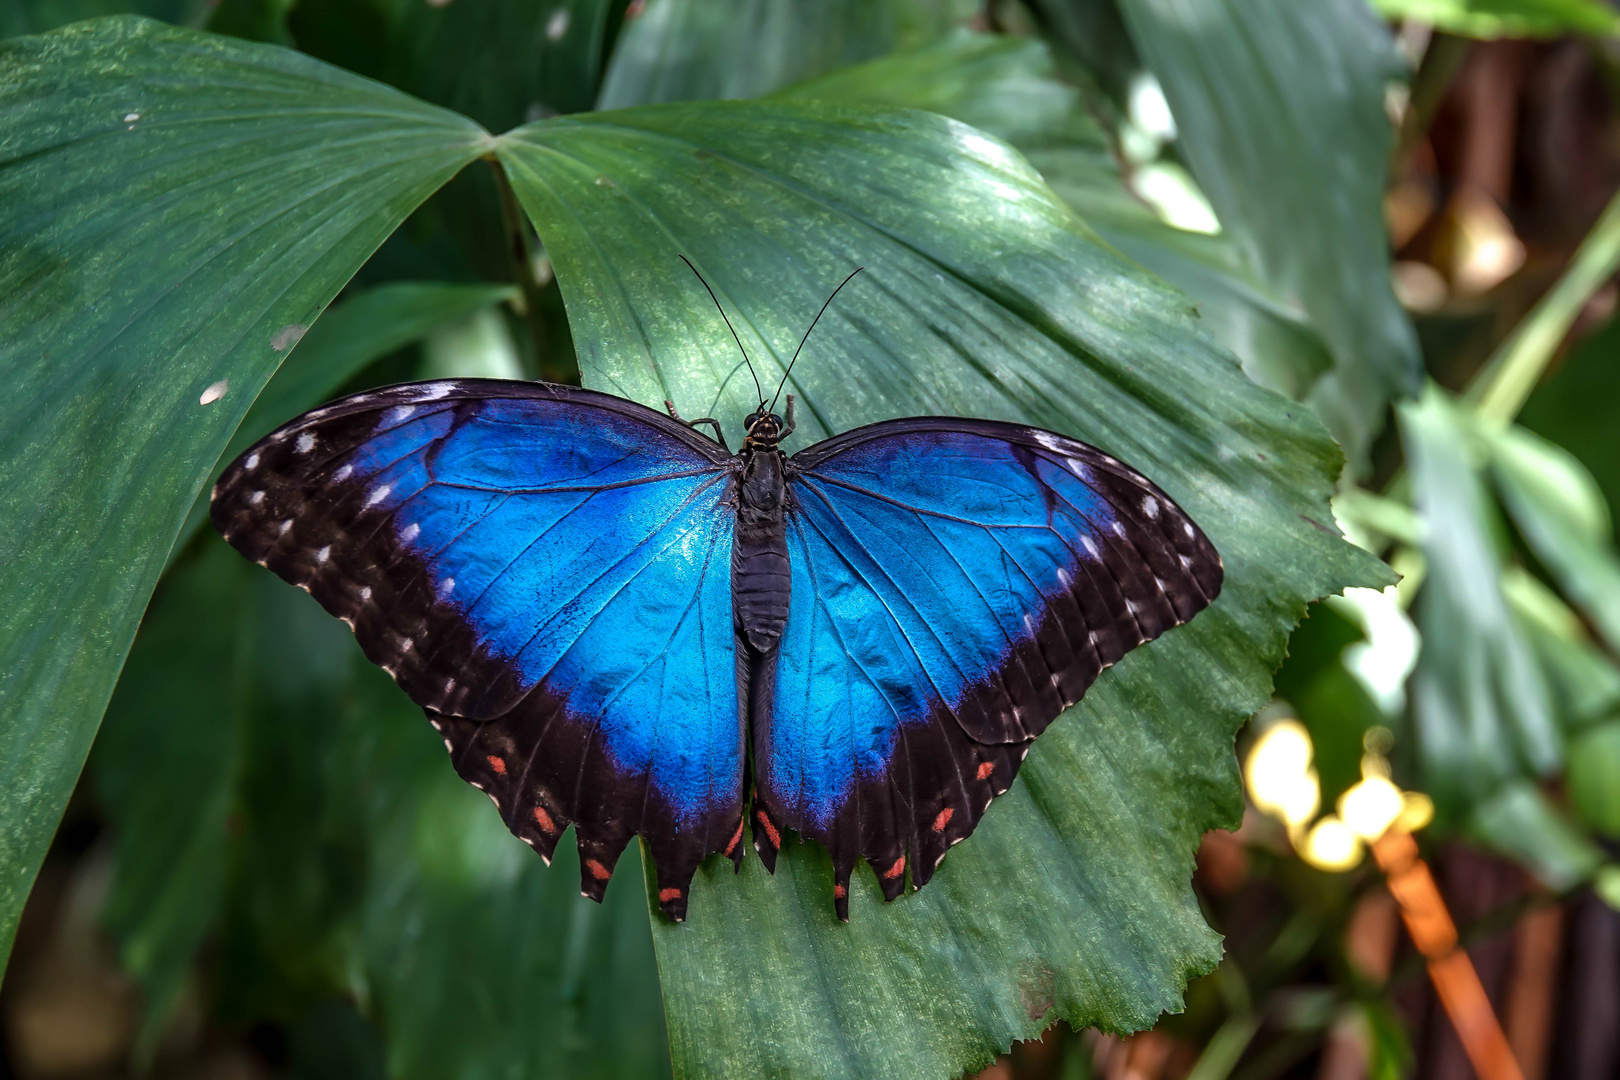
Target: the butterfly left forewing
pixel 544 570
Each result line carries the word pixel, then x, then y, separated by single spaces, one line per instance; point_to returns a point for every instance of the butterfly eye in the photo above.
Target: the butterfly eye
pixel 750 421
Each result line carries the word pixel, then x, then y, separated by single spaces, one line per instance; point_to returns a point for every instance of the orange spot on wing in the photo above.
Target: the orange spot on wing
pixel 770 830
pixel 897 869
pixel 986 769
pixel 498 764
pixel 736 836
pixel 598 871
pixel 943 819
pixel 666 895
pixel 839 890
pixel 543 819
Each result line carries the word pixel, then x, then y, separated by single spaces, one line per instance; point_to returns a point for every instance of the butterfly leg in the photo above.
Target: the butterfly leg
pixel 719 436
pixel 787 421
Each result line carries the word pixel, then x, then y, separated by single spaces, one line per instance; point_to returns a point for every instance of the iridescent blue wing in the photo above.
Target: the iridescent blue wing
pixel 545 570
pixel 956 585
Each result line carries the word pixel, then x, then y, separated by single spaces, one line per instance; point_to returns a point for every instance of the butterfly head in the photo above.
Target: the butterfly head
pixel 764 430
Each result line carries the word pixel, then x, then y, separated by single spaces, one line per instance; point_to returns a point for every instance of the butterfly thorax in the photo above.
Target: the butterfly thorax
pixel 760 577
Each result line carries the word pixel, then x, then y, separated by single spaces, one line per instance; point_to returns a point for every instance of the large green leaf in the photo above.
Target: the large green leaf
pixel 983 295
pixel 1279 108
pixel 1481 704
pixel 179 208
pixel 1006 87
pixel 686 50
pixel 366 326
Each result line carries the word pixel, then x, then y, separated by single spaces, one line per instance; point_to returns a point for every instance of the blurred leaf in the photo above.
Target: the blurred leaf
pixel 19 17
pixel 984 298
pixel 1002 85
pixel 503 62
pixel 364 327
pixel 180 208
pixel 1506 18
pixel 165 771
pixel 299 872
pixel 334 1042
pixel 1575 408
pixel 479 959
pixel 693 50
pixel 1482 708
pixel 1279 108
pixel 1519 822
pixel 1585 683
pixel 1094 34
pixel 255 20
pixel 1561 514
pixel 1005 86
pixel 1593 778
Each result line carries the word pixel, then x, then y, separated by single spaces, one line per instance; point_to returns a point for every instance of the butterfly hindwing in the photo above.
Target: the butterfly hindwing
pixel 545 571
pixel 956 585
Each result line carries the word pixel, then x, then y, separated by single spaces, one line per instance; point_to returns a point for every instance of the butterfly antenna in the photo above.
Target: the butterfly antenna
pixel 733 329
pixel 806 337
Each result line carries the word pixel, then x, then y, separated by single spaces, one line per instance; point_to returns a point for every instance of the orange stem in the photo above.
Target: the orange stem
pixel 1455 980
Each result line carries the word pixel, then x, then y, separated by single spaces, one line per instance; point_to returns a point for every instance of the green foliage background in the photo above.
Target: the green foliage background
pixel 183 209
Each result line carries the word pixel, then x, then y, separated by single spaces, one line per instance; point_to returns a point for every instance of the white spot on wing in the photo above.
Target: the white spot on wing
pixel 436 391
pixel 449 685
pixel 365 593
pixel 1117 529
pixel 1150 507
pixel 256 498
pixel 323 554
pixel 1186 527
pixel 446 587
pixel 1064 579
pixel 406 645
pixel 399 413
pixel 378 494
pixel 1089 544
pixel 252 461
pixel 281 530
pixel 305 443
pixel 1047 439
pixel 214 392
pixel 410 532
pixel 342 474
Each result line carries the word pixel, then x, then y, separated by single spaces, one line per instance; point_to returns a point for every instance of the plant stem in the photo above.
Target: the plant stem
pixel 522 259
pixel 1500 389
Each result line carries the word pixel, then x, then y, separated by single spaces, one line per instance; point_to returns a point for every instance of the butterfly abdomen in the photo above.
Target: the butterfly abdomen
pixel 760 577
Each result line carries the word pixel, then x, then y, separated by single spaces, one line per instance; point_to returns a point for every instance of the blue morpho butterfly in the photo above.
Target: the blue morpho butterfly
pixel 617 623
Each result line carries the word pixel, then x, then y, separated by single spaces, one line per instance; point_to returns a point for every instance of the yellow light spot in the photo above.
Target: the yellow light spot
pixel 1371 807
pixel 1279 775
pixel 1332 845
pixel 1416 812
